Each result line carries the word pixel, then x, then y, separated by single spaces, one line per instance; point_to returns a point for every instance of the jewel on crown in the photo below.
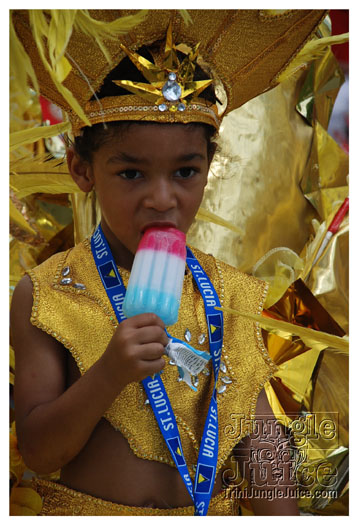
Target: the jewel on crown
pixel 171 86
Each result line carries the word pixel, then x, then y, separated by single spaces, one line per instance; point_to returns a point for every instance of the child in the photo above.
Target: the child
pixel 149 168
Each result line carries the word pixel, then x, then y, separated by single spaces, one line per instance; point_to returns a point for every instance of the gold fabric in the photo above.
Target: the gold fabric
pixel 310 391
pixel 316 100
pixel 325 178
pixel 245 50
pixel 83 321
pixel 254 180
pixel 59 500
pixel 270 167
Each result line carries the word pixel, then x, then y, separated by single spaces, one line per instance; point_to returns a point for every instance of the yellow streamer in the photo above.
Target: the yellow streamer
pixel 311 338
pixel 279 267
pixel 208 216
pixel 19 219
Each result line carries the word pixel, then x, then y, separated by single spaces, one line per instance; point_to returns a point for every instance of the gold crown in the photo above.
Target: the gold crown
pixel 243 53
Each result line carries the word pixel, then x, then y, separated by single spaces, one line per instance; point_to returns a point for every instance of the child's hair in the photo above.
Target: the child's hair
pixel 92 138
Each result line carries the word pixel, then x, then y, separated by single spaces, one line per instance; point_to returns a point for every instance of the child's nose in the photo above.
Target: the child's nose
pixel 161 195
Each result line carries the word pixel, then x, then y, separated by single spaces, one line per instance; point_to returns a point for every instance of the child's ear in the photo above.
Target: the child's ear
pixel 80 170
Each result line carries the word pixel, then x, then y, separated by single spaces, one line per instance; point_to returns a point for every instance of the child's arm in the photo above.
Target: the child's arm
pixel 54 422
pixel 265 462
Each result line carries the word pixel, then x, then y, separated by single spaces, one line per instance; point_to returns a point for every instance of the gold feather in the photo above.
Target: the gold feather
pixel 12 365
pixel 28 136
pixel 59 34
pixel 17 217
pixel 208 216
pixel 12 358
pixel 186 16
pixel 92 27
pixel 20 63
pixel 40 31
pixel 28 184
pixel 56 28
pixel 41 162
pixel 99 30
pixel 40 174
pixel 313 50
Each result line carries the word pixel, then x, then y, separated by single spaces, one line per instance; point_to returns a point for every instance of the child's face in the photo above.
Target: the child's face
pixel 147 176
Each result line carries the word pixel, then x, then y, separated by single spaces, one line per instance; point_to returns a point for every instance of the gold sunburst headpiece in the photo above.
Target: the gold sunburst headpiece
pixel 243 51
pixel 171 85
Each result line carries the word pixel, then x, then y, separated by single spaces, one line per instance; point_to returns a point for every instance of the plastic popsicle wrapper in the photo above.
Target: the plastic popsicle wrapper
pixel 156 280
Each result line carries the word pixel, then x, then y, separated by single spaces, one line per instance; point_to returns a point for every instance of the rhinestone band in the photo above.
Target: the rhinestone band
pixel 131 107
pixel 121 109
pixel 126 109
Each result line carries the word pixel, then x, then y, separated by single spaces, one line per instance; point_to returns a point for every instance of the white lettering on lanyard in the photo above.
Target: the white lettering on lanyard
pixel 210 435
pixel 206 288
pixel 118 302
pixel 100 246
pixel 159 402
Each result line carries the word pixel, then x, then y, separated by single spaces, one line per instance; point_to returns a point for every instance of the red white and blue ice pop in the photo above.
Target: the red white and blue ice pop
pixel 156 280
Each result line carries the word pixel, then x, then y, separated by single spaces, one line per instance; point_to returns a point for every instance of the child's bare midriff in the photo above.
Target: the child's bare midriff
pixel 107 468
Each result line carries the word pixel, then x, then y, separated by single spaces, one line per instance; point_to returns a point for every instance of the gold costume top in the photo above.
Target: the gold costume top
pixel 79 315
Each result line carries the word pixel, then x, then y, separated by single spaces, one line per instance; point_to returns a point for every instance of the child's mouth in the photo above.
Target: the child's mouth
pixel 158 224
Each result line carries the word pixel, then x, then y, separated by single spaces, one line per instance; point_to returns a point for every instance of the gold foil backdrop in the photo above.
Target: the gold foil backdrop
pixel 278 178
pixel 254 180
pixel 281 182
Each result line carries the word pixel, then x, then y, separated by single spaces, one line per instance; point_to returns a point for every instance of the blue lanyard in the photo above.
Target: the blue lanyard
pixel 154 387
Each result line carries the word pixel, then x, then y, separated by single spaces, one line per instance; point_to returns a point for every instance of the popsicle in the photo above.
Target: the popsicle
pixel 156 280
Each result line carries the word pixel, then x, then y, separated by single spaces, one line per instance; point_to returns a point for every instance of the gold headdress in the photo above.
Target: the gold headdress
pixel 243 52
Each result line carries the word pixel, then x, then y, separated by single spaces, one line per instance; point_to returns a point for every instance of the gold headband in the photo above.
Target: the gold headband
pixel 244 52
pixel 132 107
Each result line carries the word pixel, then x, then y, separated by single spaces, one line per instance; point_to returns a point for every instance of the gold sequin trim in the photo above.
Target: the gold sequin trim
pixel 221 279
pixel 224 357
pixel 187 430
pixel 266 356
pixel 266 15
pixel 136 448
pixel 131 107
pixel 125 109
pixel 59 500
pixel 154 457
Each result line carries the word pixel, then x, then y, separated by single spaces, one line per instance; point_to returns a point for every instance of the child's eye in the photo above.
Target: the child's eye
pixel 186 173
pixel 130 174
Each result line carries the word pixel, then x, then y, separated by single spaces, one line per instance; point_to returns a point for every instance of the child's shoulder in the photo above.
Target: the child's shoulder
pixel 56 264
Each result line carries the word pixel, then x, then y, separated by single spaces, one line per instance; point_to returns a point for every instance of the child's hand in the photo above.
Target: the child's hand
pixel 136 349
